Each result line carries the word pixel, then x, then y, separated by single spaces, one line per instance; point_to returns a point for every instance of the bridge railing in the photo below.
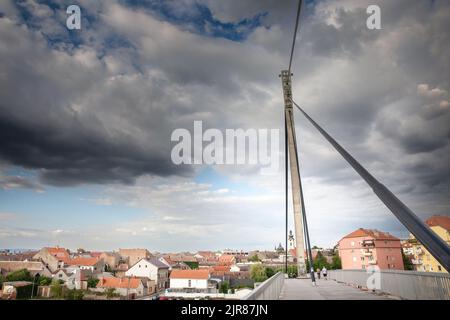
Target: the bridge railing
pixel 268 290
pixel 405 284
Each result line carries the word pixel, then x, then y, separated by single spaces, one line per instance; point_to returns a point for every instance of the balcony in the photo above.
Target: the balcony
pixel 417 261
pixel 372 261
pixel 367 253
pixel 368 243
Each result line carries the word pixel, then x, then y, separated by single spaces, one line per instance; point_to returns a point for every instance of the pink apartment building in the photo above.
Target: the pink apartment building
pixel 363 248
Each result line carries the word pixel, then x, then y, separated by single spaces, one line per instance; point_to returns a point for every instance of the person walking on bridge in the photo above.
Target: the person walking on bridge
pixel 324 272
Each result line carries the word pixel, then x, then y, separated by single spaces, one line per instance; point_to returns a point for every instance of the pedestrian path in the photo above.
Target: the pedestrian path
pixel 302 289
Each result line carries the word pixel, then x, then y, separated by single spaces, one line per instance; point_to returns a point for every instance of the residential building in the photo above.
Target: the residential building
pixel 125 287
pixel 74 278
pixel 7 255
pixel 364 247
pixel 152 269
pixel 204 255
pixel 95 265
pixel 422 258
pixel 190 280
pixel 54 258
pixel 131 256
pixel 227 259
pixel 34 267
pixel 111 259
pixel 173 264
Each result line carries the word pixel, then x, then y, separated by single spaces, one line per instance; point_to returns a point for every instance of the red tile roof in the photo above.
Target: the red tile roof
pixel 379 235
pixel 79 261
pixel 226 259
pixel 58 252
pixel 441 221
pixel 112 282
pixel 221 268
pixel 190 274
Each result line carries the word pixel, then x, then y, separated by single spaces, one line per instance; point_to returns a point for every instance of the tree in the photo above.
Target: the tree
pixel 258 273
pixel 336 263
pixel 407 262
pixel 57 289
pixel 110 293
pixel 254 258
pixel 224 287
pixel 19 275
pixel 44 281
pixel 192 264
pixel 74 294
pixel 320 261
pixel 269 272
pixel 92 282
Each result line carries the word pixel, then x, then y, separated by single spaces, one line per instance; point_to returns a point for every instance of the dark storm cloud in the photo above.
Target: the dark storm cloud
pixel 77 155
pixel 99 113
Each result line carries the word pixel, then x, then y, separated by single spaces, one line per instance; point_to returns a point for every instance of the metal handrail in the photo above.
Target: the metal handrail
pixel 268 290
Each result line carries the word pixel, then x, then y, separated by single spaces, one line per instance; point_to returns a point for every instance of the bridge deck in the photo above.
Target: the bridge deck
pixel 302 289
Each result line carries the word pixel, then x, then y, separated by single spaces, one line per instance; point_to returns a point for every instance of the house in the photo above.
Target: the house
pixel 111 259
pixel 173 264
pixel 227 259
pixel 76 278
pixel 364 248
pixel 152 269
pixel 240 267
pixel 131 256
pixel 34 267
pixel 190 280
pixel 220 268
pixel 204 255
pixel 125 287
pixel 54 258
pixel 8 255
pixel 186 258
pixel 421 257
pixel 95 265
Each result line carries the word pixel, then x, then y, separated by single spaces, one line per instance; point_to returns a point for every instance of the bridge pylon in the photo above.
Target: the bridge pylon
pixel 297 194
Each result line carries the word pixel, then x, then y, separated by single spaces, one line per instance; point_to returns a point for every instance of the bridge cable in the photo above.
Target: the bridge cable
pixel 299 9
pixel 434 244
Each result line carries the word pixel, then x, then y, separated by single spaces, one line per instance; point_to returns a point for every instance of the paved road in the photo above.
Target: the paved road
pixel 302 289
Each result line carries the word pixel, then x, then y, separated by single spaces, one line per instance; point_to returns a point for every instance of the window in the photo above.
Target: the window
pixel 439 268
pixel 352 243
pixel 189 283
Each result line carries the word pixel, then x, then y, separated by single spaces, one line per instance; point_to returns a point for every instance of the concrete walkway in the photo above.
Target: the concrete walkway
pixel 302 289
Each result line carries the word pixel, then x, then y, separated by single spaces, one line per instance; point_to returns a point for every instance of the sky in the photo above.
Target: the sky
pixel 86 118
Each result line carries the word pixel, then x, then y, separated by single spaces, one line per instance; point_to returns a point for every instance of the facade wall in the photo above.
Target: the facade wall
pixel 134 255
pixel 188 283
pixel 146 269
pixel 386 254
pixel 49 260
pixel 111 259
pixel 423 260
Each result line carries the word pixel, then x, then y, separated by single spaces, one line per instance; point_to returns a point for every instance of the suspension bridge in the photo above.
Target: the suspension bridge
pixel 346 284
